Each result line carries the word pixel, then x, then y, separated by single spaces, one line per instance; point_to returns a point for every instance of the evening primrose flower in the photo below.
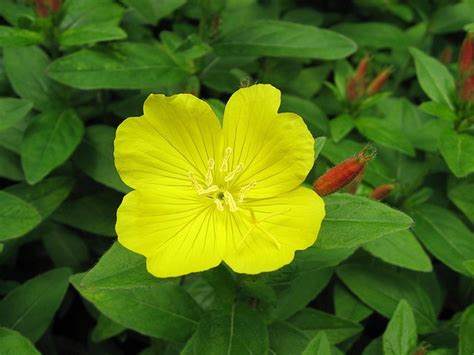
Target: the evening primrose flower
pixel 206 194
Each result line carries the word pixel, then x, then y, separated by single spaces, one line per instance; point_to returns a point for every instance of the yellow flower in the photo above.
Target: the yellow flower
pixel 205 194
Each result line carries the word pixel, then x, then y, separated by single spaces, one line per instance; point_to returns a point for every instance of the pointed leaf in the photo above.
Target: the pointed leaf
pixel 400 337
pixel 29 308
pixel 49 141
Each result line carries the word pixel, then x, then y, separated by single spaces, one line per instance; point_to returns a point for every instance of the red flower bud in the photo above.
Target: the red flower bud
pixel 446 56
pixel 42 8
pixel 342 174
pixel 362 68
pixel 352 93
pixel 376 84
pixel 55 5
pixel 466 56
pixel 466 89
pixel 382 192
pixel 354 184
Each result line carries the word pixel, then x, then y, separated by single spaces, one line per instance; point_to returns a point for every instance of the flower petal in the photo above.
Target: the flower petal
pixel 179 233
pixel 276 150
pixel 285 223
pixel 175 136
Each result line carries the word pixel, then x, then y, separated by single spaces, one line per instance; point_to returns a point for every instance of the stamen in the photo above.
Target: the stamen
pixel 197 186
pixel 219 204
pixel 210 168
pixel 229 200
pixel 229 177
pixel 243 191
pixel 210 189
pixel 225 161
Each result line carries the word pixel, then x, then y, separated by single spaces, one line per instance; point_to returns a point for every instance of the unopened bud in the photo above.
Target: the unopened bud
pixel 362 68
pixel 465 56
pixel 352 93
pixel 342 174
pixel 376 84
pixel 42 8
pixel 354 184
pixel 446 56
pixel 382 192
pixel 466 89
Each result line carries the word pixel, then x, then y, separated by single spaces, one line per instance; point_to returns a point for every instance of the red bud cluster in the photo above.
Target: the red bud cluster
pixel 356 86
pixel 466 72
pixel 382 192
pixel 44 7
pixel 344 173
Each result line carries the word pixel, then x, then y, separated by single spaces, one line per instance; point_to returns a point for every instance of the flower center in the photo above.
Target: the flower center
pixel 218 184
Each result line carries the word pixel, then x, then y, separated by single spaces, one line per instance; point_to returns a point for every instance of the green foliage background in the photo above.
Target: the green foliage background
pixel 383 278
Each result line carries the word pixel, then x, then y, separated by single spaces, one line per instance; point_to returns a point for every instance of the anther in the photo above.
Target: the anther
pixel 230 176
pixel 197 186
pixel 210 189
pixel 210 168
pixel 243 191
pixel 229 200
pixel 219 204
pixel 225 161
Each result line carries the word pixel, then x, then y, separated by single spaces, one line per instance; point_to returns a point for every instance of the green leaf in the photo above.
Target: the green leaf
pixel 383 132
pixel 440 110
pixel 318 146
pixel 312 321
pixel 420 129
pixel 287 339
pixel 382 287
pixel 284 39
pixel 106 328
pixel 435 80
pixel 13 342
pixel 93 213
pixel 90 21
pixel 466 341
pixel 400 337
pixel 124 65
pixel 348 306
pixel 10 165
pixel 355 220
pixel 461 195
pixel 163 310
pixel 17 217
pixel 236 331
pixel 46 196
pixel 452 18
pixel 150 11
pixel 444 235
pixel 18 37
pixel 29 308
pixel 294 292
pixel 24 63
pixel 340 127
pixel 457 150
pixel 13 110
pixel 401 249
pixel 314 117
pixel 373 34
pixel 65 248
pixel 13 11
pixel 318 346
pixel 119 268
pixel 95 157
pixel 49 141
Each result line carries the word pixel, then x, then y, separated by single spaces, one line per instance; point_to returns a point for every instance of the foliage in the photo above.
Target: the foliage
pixel 391 277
